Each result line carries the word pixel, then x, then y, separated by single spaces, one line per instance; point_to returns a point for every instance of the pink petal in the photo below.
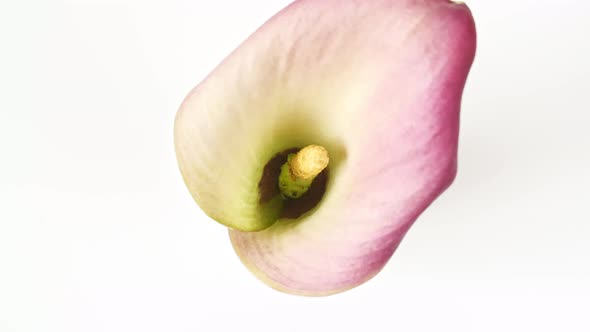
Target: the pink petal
pixel 397 123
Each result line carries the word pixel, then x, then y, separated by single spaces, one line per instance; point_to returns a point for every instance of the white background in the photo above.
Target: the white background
pixel 98 232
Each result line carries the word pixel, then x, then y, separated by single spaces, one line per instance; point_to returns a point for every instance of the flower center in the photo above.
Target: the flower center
pixel 301 168
pixel 298 176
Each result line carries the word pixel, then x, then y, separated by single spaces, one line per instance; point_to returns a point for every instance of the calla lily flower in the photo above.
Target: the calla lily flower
pixel 324 136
